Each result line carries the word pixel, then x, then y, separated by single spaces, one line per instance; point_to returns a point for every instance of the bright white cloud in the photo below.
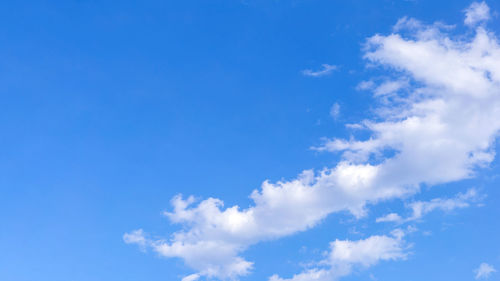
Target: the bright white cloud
pixel 344 255
pixel 484 271
pixel 477 12
pixel 440 129
pixel 216 236
pixel 325 70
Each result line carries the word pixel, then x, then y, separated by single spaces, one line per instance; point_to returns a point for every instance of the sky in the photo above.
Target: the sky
pixel 277 140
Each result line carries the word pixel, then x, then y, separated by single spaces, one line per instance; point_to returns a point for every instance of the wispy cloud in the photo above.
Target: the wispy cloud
pixel 392 217
pixel 484 271
pixel 136 237
pixel 421 208
pixel 192 277
pixel 344 255
pixel 325 70
pixel 477 12
pixel 335 111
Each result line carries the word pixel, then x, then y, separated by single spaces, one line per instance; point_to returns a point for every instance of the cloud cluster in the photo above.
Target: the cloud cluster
pixel 216 236
pixel 437 122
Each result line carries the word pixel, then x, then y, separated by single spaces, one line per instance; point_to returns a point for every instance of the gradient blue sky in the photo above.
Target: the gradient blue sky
pixel 110 109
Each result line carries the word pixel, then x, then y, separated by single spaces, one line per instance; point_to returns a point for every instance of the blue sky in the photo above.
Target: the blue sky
pixel 110 110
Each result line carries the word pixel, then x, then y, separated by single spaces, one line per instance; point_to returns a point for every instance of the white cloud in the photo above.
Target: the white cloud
pixel 366 252
pixel 440 130
pixel 365 85
pixel 477 12
pixel 216 236
pixel 392 217
pixel 326 69
pixel 407 23
pixel 335 110
pixel 421 208
pixel 192 277
pixel 390 87
pixel 135 237
pixel 484 271
pixel 344 255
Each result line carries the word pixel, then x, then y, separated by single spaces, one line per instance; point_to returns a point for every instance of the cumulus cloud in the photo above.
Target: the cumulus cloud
pixel 440 129
pixel 325 70
pixel 215 236
pixel 484 271
pixel 477 12
pixel 344 255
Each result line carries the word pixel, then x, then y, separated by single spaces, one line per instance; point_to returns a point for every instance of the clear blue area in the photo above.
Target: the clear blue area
pixel 109 109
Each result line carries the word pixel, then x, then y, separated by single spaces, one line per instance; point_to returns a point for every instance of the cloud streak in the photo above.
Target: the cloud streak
pixel 325 70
